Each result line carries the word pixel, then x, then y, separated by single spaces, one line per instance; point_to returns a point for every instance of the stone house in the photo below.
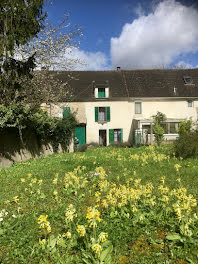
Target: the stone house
pixel 117 106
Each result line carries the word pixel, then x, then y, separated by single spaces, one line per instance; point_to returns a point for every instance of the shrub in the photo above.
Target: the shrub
pixel 120 144
pixel 187 144
pixel 82 148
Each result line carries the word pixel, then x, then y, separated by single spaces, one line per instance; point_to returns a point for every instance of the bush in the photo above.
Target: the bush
pixel 187 145
pixel 82 148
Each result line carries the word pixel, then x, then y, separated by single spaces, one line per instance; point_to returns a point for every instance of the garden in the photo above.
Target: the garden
pixel 105 205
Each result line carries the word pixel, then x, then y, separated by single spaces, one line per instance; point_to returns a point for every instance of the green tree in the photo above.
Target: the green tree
pixel 158 119
pixel 20 21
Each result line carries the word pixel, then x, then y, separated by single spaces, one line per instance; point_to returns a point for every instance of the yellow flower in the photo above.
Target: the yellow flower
pixel 93 216
pixel 68 235
pixel 81 230
pixel 40 181
pixel 103 237
pixel 34 180
pixel 177 166
pixel 29 175
pixel 44 223
pixel 16 199
pixel 70 213
pixel 22 179
pixel 97 249
pixel 55 193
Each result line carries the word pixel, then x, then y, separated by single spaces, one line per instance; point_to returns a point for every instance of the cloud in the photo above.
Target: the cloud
pixel 157 39
pixel 183 65
pixel 84 60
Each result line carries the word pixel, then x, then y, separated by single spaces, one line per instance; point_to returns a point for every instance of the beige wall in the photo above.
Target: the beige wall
pixel 123 112
pixel 173 109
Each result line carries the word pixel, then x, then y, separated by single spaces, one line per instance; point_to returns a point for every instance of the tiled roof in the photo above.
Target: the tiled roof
pixel 161 83
pixel 133 83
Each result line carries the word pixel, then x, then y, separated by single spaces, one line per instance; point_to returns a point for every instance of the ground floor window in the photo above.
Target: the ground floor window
pixel 169 127
pixel 115 135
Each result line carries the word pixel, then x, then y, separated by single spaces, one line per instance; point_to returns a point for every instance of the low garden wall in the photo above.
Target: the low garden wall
pixel 12 150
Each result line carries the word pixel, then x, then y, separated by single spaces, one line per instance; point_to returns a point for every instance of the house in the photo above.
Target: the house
pixel 117 106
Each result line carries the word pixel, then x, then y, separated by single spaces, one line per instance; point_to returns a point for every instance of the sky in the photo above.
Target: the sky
pixel 131 34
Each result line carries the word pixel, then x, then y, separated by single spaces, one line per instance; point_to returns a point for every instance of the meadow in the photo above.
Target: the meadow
pixel 106 205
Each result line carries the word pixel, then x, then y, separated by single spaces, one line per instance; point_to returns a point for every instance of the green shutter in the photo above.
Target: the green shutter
pixel 108 113
pixel 111 135
pixel 101 92
pixel 121 130
pixel 66 111
pixel 96 114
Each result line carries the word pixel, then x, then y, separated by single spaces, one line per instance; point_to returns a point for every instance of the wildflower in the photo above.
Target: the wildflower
pixel 29 175
pixel 93 216
pixel 81 230
pixel 68 235
pixel 97 249
pixel 14 216
pixel 55 193
pixel 34 180
pixel 103 237
pixel 16 199
pixel 44 223
pixel 177 166
pixel 40 181
pixel 70 213
pixel 22 179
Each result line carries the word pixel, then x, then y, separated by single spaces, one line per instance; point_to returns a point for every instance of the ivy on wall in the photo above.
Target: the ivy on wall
pixel 47 129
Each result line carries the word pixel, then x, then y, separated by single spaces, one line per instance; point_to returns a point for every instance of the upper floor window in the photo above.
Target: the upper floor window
pixel 188 80
pixel 190 103
pixel 102 114
pixel 138 107
pixel 101 93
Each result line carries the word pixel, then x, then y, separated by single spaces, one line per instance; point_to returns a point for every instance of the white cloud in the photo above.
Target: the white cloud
pixel 157 39
pixel 183 65
pixel 84 60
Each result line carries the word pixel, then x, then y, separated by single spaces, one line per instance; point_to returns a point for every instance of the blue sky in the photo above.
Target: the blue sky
pixel 132 34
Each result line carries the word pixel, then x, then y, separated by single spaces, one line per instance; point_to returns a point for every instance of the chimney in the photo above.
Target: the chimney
pixel 118 68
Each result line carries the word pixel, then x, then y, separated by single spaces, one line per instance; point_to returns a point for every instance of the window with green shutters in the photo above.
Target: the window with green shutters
pixel 115 135
pixel 101 92
pixel 66 111
pixel 102 114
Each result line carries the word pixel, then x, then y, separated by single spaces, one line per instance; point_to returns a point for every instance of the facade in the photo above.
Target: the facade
pixel 117 106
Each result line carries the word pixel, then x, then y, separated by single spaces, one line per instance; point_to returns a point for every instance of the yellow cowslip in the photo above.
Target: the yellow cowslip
pixel 44 223
pixel 81 230
pixel 70 213
pixel 16 199
pixel 93 216
pixel 22 180
pixel 97 249
pixel 67 235
pixel 103 237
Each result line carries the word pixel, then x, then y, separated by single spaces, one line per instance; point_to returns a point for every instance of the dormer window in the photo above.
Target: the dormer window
pixel 101 93
pixel 188 80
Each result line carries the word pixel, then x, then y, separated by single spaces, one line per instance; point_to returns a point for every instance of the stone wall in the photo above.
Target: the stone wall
pixel 12 150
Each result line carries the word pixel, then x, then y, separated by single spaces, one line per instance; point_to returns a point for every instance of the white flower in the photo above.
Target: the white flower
pixel 14 216
pixel 1 219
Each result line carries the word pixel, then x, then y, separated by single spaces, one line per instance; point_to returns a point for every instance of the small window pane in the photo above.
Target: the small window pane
pixel 138 108
pixel 117 135
pixel 190 103
pixel 102 114
pixel 101 92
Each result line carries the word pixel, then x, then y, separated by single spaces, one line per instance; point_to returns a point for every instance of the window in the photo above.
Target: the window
pixel 102 114
pixel 188 80
pixel 101 92
pixel 115 135
pixel 190 103
pixel 170 127
pixel 138 107
pixel 66 111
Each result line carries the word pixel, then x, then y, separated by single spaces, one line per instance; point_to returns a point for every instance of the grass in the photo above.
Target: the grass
pixel 22 195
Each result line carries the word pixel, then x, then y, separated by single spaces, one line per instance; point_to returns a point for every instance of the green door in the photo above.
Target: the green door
pixel 80 134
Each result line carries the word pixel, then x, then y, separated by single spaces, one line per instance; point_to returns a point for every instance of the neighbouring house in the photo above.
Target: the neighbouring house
pixel 117 106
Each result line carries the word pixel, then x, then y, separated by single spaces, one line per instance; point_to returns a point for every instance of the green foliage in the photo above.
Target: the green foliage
pixel 158 130
pixel 187 144
pixel 185 127
pixel 148 218
pixel 48 129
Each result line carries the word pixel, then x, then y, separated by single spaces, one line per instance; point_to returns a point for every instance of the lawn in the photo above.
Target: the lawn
pixel 105 205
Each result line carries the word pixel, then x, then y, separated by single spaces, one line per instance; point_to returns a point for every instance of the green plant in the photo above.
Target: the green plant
pixel 159 118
